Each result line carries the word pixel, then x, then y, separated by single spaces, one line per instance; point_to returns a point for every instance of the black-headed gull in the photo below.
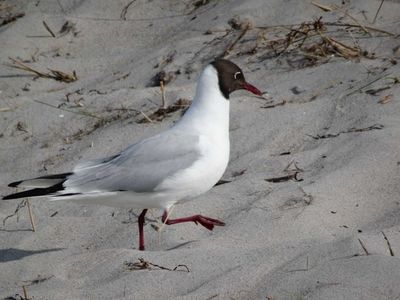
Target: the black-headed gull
pixel 178 164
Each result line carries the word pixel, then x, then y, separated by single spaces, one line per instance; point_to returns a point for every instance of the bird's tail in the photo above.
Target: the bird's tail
pixel 42 186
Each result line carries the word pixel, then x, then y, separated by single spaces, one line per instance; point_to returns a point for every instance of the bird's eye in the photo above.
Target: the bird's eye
pixel 236 75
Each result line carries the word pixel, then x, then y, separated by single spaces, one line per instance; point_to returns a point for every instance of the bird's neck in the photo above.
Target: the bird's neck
pixel 209 112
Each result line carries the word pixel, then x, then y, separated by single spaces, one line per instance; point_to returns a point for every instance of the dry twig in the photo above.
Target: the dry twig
pixel 125 10
pixel 377 78
pixel 25 292
pixel 146 117
pixel 363 246
pixel 48 29
pixel 54 74
pixel 291 174
pixel 377 12
pixel 163 106
pixel 341 48
pixel 31 215
pixel 321 6
pixel 385 99
pixel 388 244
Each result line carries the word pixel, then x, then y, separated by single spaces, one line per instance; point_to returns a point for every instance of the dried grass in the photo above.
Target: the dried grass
pixel 54 74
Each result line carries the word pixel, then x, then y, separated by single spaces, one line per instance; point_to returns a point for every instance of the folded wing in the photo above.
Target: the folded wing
pixel 140 168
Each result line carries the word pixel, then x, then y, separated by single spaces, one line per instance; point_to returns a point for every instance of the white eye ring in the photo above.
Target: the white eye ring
pixel 236 74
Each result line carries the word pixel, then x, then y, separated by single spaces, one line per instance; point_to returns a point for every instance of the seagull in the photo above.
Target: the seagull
pixel 178 164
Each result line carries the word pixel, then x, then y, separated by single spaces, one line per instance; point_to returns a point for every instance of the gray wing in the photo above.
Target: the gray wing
pixel 140 167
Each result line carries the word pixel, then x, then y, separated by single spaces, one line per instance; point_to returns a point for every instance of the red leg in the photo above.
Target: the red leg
pixel 141 234
pixel 207 222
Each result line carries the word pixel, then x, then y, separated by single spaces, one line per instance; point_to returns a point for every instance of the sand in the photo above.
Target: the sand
pixel 312 207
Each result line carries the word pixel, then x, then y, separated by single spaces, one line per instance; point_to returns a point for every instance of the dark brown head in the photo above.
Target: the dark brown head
pixel 231 78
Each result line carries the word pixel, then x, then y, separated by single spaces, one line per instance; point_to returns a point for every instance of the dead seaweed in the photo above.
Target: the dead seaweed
pixel 143 264
pixel 197 4
pixel 332 135
pixel 301 45
pixel 68 27
pixel 11 18
pixel 20 205
pixel 18 296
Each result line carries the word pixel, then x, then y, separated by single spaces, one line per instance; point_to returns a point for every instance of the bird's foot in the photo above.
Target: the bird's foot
pixel 207 222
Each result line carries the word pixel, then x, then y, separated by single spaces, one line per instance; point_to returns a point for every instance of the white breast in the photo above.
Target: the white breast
pixel 202 175
pixel 207 117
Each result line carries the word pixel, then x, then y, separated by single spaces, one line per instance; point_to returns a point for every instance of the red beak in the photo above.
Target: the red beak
pixel 252 89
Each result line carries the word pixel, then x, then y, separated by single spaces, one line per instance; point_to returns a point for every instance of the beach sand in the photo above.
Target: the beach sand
pixel 312 206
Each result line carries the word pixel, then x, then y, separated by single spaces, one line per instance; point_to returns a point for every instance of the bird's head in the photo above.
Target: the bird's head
pixel 231 78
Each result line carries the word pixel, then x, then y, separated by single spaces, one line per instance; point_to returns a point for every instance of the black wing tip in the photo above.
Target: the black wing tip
pixel 8 197
pixel 36 192
pixel 15 183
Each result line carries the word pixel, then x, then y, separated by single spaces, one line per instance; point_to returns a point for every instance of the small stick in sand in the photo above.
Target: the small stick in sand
pixel 146 117
pixel 367 84
pixel 377 12
pixel 25 292
pixel 31 215
pixel 388 244
pixel 321 6
pixel 385 99
pixel 48 29
pixel 363 246
pixel 292 176
pixel 163 106
pixel 125 10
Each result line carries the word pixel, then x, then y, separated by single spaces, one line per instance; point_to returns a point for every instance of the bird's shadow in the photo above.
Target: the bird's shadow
pixel 11 254
pixel 181 245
